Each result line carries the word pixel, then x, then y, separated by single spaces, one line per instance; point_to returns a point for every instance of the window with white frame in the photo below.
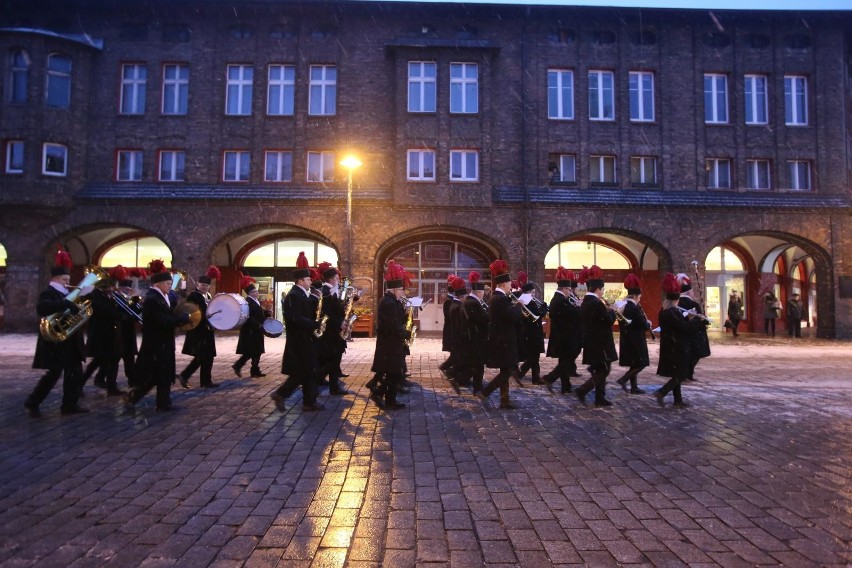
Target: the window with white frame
pixel 758 174
pixel 278 166
pixel 715 98
pixel 601 95
pixel 128 165
pixel 602 169
pixel 795 100
pixel 134 80
pixel 15 157
pixel 799 172
pixel 175 88
pixel 321 167
pixel 19 76
pixel 560 94
pixel 756 101
pixel 421 165
pixel 464 165
pixel 464 88
pixel 641 96
pixel 562 168
pixel 172 165
pixel 58 81
pixel 718 173
pixel 281 90
pixel 54 160
pixel 643 170
pixel 236 166
pixel 322 93
pixel 239 90
pixel 422 86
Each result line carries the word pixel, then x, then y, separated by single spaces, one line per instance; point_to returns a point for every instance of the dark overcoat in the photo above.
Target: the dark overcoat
pixel 457 325
pixel 566 334
pixel 390 351
pixel 103 335
pixel 446 333
pixel 201 341
pixel 598 343
pixel 156 361
pixel 300 349
pixel 675 343
pixel 49 355
pixel 250 341
pixel 632 345
pixel 699 342
pixel 503 332
pixel 331 345
pixel 476 318
pixel 532 332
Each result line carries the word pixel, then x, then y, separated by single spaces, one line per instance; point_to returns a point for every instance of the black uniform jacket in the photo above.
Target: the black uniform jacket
pixel 699 343
pixel 598 343
pixel 503 332
pixel 457 325
pixel 49 355
pixel 390 336
pixel 632 345
pixel 446 334
pixel 566 335
pixel 331 345
pixel 104 337
pixel 250 341
pixel 201 341
pixel 676 334
pixel 300 350
pixel 476 319
pixel 156 360
pixel 532 332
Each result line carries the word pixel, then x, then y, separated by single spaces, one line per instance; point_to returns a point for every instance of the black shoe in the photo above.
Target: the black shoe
pixel 623 382
pixel 680 404
pixel 184 383
pixel 101 384
pixel 394 405
pixel 517 379
pixel 537 381
pixel 210 386
pixel 377 398
pixel 279 401
pixel 76 409
pixel 342 375
pixel 603 402
pixel 337 392
pixel 169 408
pixel 455 384
pixel 581 396
pixel 507 406
pixel 258 375
pixel 637 390
pixel 115 392
pixel 312 407
pixel 237 371
pixel 660 396
pixel 32 410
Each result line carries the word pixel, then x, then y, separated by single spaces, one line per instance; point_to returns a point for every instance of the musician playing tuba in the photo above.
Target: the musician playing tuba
pixel 63 358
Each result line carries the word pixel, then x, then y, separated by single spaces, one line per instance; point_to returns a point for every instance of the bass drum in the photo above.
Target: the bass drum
pixel 227 311
pixel 272 327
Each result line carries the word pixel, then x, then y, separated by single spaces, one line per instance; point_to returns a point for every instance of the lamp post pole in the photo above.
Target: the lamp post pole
pixel 350 163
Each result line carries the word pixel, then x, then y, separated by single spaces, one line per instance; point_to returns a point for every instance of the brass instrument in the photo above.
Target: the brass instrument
pixel 60 326
pixel 573 300
pixel 194 315
pixel 619 315
pixel 348 297
pixel 692 312
pixel 525 311
pixel 127 304
pixel 409 325
pixel 321 319
pixel 177 277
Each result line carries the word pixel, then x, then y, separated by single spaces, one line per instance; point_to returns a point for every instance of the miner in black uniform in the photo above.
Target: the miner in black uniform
pixel 598 344
pixel 104 337
pixel 446 332
pixel 391 335
pixel 200 341
pixel 566 335
pixel 632 344
pixel 250 343
pixel 532 331
pixel 676 336
pixel 475 334
pixel 699 346
pixel 331 345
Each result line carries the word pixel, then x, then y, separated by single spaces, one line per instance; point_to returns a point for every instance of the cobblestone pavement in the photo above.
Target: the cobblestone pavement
pixel 756 472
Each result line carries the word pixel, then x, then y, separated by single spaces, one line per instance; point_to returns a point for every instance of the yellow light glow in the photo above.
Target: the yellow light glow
pixel 350 162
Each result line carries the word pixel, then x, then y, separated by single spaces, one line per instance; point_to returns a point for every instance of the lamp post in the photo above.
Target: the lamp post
pixel 350 162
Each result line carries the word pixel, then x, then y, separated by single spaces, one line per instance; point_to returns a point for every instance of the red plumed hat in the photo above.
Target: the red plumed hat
pixel 118 273
pixel 62 263
pixel 302 267
pixel 326 270
pixel 684 281
pixel 316 275
pixel 595 279
pixel 138 273
pixel 395 275
pixel 523 278
pixel 671 288
pixel 450 278
pixel 584 275
pixel 458 284
pixel 565 278
pixel 247 282
pixel 158 272
pixel 213 272
pixel 499 271
pixel 474 278
pixel 633 284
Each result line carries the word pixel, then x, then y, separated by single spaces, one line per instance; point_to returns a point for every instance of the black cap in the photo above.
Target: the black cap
pixel 160 277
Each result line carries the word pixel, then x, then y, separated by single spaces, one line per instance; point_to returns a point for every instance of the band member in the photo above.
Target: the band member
pixel 446 334
pixel 63 358
pixel 475 333
pixel 676 337
pixel 598 344
pixel 129 348
pixel 331 344
pixel 300 349
pixel 250 344
pixel 456 323
pixel 532 331
pixel 632 345
pixel 155 366
pixel 502 333
pixel 566 339
pixel 700 344
pixel 200 341
pixel 104 337
pixel 391 335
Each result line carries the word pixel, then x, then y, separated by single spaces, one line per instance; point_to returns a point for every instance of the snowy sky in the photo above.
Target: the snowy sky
pixel 704 4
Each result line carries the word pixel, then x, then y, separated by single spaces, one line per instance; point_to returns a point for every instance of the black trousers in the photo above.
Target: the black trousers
pixel 501 381
pixel 204 363
pixel 255 363
pixel 532 363
pixel 566 367
pixel 72 379
pixel 392 382
pixel 673 386
pixel 308 382
pixel 160 381
pixel 597 381
pixel 769 324
pixel 795 327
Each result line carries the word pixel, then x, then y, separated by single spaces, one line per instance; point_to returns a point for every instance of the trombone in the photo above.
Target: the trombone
pixel 525 311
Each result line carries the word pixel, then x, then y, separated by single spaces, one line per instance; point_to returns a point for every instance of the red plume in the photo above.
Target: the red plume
pixel 523 278
pixel 137 272
pixel 214 273
pixel 514 284
pixel 670 285
pixel 563 273
pixel 302 261
pixel 584 275
pixel 632 281
pixel 395 271
pixel 316 274
pixel 458 284
pixel 64 259
pixel 118 273
pixel 474 277
pixel 595 272
pixel 323 266
pixel 498 267
pixel 157 266
pixel 245 280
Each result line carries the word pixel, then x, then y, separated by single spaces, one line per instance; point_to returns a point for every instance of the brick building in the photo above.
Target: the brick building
pixel 645 140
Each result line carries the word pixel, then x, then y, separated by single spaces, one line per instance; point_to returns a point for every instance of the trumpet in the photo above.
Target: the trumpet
pixel 525 311
pixel 617 309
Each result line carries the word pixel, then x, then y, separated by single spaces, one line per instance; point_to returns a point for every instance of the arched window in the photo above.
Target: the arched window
pixel 577 254
pixel 283 253
pixel 20 74
pixel 136 252
pixel 58 81
pixel 724 273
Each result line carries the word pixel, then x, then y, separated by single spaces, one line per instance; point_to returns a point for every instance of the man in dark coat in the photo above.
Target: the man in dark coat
pixel 566 339
pixel 676 336
pixel 331 344
pixel 475 333
pixel 455 322
pixel 532 331
pixel 200 341
pixel 155 366
pixel 502 334
pixel 129 348
pixel 598 344
pixel 447 331
pixel 632 345
pixel 391 335
pixel 63 358
pixel 104 337
pixel 250 344
pixel 300 350
pixel 699 346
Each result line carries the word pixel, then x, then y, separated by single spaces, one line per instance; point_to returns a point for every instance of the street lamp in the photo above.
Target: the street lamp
pixel 350 162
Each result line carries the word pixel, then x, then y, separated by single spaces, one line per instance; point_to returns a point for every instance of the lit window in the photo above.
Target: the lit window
pixel 54 160
pixel 322 92
pixel 795 100
pixel 239 90
pixel 421 165
pixel 320 167
pixel 134 79
pixel 129 165
pixel 172 165
pixel 602 170
pixel 14 157
pixel 175 88
pixel 464 88
pixel 756 102
pixel 236 166
pixel 58 81
pixel 601 95
pixel 560 94
pixel 281 91
pixel 757 174
pixel 464 165
pixel 421 86
pixel 718 173
pixel 278 167
pixel 715 98
pixel 641 96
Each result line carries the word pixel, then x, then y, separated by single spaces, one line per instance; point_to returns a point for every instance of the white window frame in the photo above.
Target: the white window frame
pixel 642 162
pixel 175 101
pixel 796 181
pixel 755 100
pixel 241 160
pixel 424 84
pixel 598 90
pixel 603 163
pixel 132 159
pixel 567 164
pixel 718 88
pixel 64 77
pixel 753 167
pixel 322 91
pixel 464 88
pixel 280 175
pixel 562 89
pixel 318 164
pixel 241 88
pixel 713 169
pixel 174 172
pixel 643 96
pixel 460 166
pixel 134 85
pixel 46 147
pixel 10 168
pixel 417 160
pixel 795 91
pixel 281 90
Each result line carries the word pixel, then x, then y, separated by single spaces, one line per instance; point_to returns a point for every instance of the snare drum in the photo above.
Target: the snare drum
pixel 227 311
pixel 272 327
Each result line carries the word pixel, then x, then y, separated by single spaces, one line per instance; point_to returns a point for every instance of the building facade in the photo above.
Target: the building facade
pixel 647 141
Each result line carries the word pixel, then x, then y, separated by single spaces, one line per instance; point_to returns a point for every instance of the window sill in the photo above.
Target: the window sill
pixel 609 184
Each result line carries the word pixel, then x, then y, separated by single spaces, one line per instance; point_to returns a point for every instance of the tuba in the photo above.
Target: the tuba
pixel 60 326
pixel 322 320
pixel 409 324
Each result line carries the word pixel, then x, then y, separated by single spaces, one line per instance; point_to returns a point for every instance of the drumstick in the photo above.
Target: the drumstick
pixel 209 315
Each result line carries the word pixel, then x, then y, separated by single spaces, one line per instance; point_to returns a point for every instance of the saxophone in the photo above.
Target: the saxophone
pixel 321 319
pixel 348 317
pixel 410 327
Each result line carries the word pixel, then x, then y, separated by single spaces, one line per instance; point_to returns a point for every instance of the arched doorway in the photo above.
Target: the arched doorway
pixel 136 251
pixel 724 272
